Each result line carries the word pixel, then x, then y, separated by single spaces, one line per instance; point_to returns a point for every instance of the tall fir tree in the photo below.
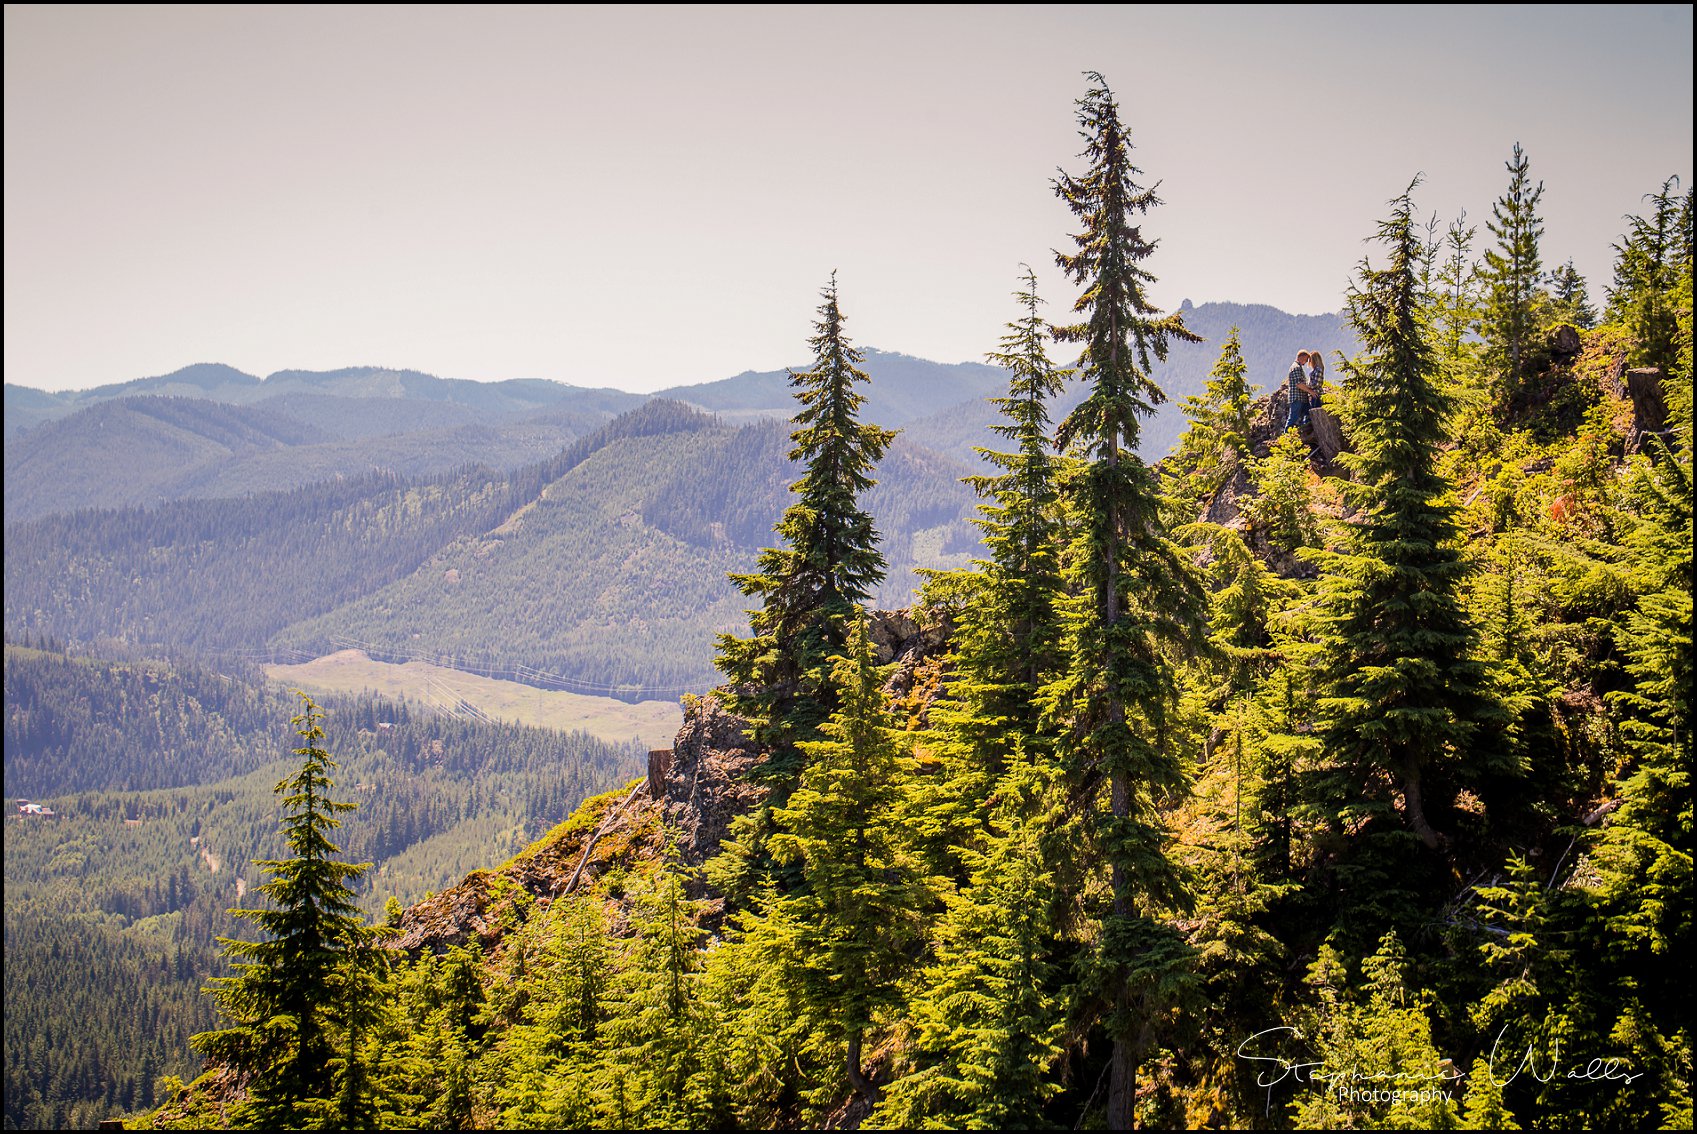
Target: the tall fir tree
pixel 1216 443
pixel 1403 694
pixel 857 913
pixel 1511 274
pixel 1455 300
pixel 779 676
pixel 1139 602
pixel 987 1009
pixel 1008 634
pixel 293 990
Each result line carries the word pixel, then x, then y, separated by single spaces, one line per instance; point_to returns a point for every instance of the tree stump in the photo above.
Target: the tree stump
pixel 1649 407
pixel 1327 434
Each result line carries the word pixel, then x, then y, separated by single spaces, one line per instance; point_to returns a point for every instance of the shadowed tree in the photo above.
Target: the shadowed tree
pixel 1138 603
pixel 301 984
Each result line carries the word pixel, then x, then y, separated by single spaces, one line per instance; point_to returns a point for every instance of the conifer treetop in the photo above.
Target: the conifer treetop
pixel 1122 332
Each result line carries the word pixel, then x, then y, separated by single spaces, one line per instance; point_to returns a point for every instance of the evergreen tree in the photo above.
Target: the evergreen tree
pixel 1650 261
pixel 1216 443
pixel 1282 509
pixel 1572 302
pixel 1007 631
pixel 1138 601
pixel 1482 1106
pixel 1511 274
pixel 1455 299
pixel 1021 521
pixel 1381 1032
pixel 987 1009
pixel 829 562
pixel 856 914
pixel 1457 307
pixel 1403 693
pixel 293 987
pixel 652 1037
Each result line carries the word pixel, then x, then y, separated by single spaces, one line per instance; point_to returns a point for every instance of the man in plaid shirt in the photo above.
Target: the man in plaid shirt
pixel 1297 384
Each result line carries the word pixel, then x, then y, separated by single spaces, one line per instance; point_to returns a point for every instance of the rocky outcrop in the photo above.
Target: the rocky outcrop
pixel 1267 424
pixel 706 784
pixel 897 637
pixel 693 792
pixel 1563 344
pixel 1225 507
pixel 1324 432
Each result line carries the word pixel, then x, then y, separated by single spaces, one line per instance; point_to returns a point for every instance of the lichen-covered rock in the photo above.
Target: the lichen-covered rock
pixel 897 636
pixel 489 902
pixel 1225 507
pixel 453 917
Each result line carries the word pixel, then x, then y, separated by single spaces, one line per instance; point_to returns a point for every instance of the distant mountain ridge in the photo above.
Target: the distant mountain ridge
pixel 212 430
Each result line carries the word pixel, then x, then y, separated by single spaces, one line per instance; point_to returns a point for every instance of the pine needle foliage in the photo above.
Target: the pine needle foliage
pixel 989 1008
pixel 293 988
pixel 1008 635
pixel 1650 261
pixel 1216 443
pixel 1139 604
pixel 1404 694
pixel 828 563
pixel 858 909
pixel 1512 272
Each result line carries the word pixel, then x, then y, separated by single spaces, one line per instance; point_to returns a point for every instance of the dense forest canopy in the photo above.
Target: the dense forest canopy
pixel 1332 772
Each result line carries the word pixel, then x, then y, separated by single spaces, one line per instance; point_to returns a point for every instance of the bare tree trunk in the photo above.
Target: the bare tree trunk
pixel 1416 809
pixel 1122 1077
pixel 857 1079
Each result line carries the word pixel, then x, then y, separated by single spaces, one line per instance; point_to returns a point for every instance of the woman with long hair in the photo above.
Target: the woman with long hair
pixel 1318 379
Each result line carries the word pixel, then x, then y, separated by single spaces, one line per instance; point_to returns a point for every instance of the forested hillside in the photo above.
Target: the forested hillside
pixel 159 779
pixel 171 449
pixel 390 396
pixel 604 566
pixel 1332 774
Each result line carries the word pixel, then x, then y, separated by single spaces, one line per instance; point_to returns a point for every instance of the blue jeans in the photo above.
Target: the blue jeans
pixel 1298 411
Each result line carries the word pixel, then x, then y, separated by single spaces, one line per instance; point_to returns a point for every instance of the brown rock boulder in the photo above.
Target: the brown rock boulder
pixel 1563 343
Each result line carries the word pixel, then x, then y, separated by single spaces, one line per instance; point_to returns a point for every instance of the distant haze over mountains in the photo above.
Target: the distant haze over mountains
pixel 523 527
pixel 211 430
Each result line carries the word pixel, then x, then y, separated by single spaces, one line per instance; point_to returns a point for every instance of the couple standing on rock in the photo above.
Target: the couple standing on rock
pixel 1307 377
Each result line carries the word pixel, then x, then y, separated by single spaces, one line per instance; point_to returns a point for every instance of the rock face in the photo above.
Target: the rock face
pixel 1324 433
pixel 896 637
pixel 706 786
pixel 1224 507
pixel 1563 343
pixel 693 790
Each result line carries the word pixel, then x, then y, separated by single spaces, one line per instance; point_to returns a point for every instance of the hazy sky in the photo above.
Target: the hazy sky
pixel 644 197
